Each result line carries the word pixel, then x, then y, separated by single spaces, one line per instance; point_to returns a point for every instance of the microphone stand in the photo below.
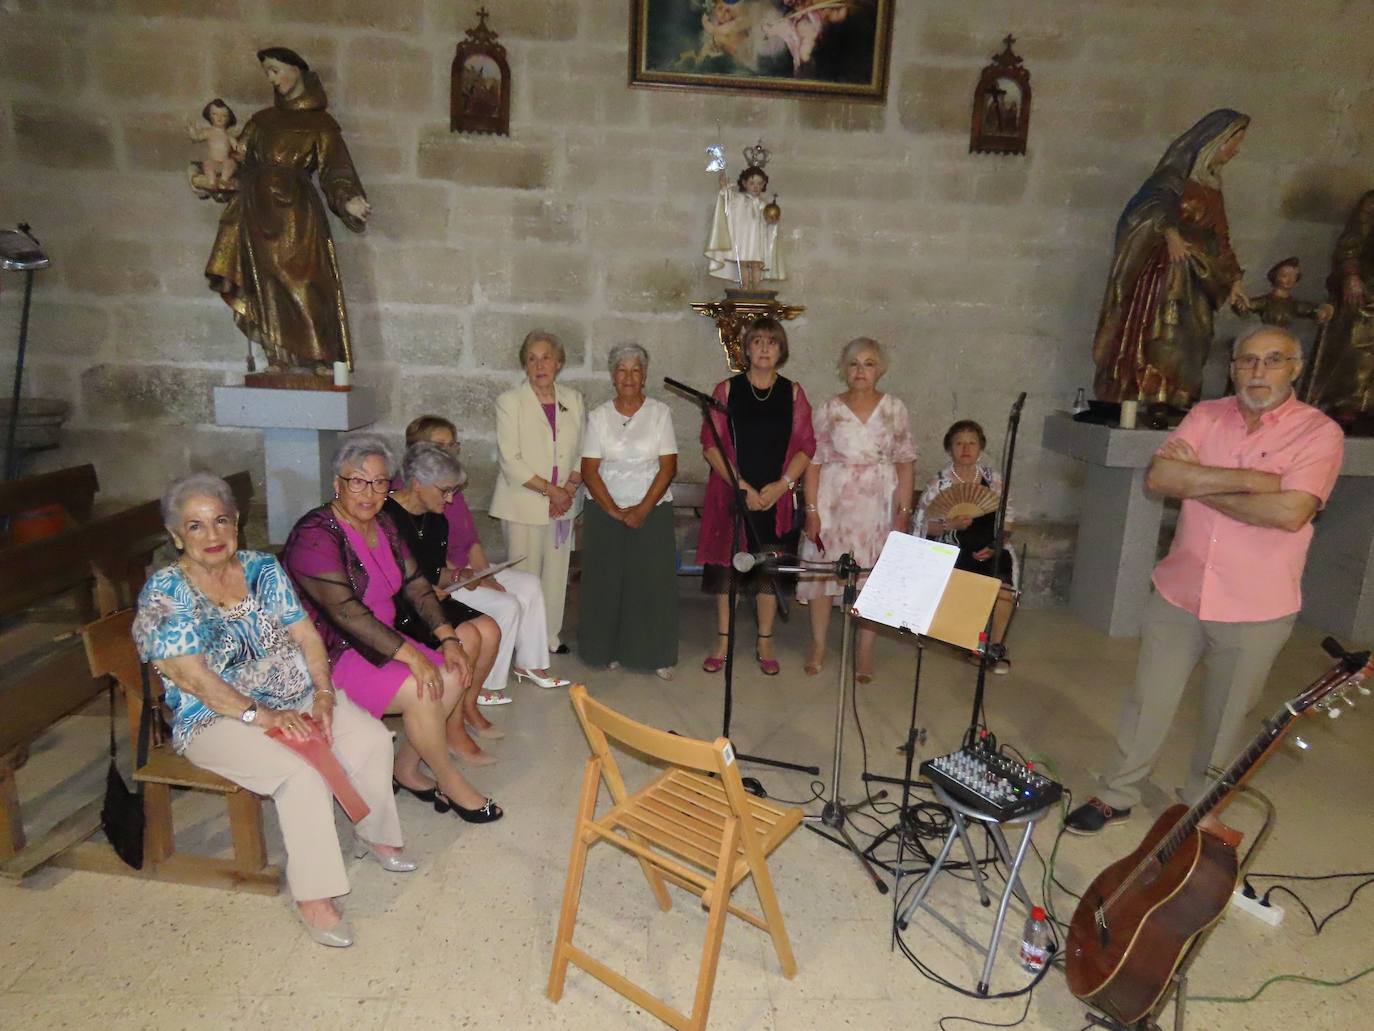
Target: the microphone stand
pixel 834 813
pixel 709 404
pixel 994 652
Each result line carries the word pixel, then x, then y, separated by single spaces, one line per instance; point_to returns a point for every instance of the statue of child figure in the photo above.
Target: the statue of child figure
pixel 744 244
pixel 1279 307
pixel 222 148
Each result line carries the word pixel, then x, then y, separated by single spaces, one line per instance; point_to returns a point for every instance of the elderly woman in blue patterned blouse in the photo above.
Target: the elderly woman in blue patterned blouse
pixel 238 658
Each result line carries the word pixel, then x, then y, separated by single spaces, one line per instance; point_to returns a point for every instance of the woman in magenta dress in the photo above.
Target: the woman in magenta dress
pixel 768 441
pixel 858 489
pixel 350 565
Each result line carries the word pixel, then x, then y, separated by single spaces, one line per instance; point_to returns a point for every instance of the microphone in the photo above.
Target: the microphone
pixel 744 561
pixel 694 394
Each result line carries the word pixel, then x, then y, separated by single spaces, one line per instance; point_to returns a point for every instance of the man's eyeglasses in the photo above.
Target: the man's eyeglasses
pixel 358 484
pixel 1272 360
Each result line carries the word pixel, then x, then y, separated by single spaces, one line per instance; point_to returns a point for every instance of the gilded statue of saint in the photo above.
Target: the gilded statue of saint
pixel 1173 268
pixel 1343 368
pixel 273 261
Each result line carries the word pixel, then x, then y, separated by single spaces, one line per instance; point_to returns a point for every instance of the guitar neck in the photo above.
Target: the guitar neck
pixel 1250 759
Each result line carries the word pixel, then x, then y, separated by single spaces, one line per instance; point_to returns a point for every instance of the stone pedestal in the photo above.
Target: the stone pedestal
pixel 300 429
pixel 1338 583
pixel 1118 525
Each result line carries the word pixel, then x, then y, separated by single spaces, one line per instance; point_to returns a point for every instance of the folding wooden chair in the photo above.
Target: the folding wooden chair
pixel 695 811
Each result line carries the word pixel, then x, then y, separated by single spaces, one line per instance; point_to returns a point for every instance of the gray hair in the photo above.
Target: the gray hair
pixel 183 488
pixel 1250 332
pixel 533 337
pixel 623 352
pixel 857 346
pixel 425 463
pixel 356 448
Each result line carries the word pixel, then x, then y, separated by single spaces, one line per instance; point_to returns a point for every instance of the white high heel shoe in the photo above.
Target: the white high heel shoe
pixel 541 681
pixel 391 864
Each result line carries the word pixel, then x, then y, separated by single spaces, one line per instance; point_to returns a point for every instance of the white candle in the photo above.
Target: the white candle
pixel 341 375
pixel 1128 412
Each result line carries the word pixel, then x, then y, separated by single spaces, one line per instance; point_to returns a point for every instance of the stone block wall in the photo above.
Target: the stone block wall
pixel 981 273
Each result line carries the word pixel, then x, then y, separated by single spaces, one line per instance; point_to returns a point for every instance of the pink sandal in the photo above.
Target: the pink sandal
pixel 770 667
pixel 714 663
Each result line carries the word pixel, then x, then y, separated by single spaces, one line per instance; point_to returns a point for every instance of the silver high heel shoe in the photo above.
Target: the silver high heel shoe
pixel 391 864
pixel 340 936
pixel 541 681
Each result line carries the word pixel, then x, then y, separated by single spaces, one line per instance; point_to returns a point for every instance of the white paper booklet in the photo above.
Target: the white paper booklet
pixel 906 585
pixel 482 574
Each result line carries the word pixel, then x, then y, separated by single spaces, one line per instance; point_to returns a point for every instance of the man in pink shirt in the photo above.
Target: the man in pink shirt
pixel 1251 470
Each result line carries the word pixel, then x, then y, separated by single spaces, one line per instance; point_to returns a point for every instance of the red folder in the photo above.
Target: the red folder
pixel 316 751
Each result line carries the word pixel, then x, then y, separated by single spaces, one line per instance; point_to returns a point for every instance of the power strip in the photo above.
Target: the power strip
pixel 1271 914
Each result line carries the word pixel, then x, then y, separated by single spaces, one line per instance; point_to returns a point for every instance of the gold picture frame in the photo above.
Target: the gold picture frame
pixel 839 49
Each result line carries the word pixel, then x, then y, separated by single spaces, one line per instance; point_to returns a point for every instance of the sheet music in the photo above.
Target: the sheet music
pixel 906 585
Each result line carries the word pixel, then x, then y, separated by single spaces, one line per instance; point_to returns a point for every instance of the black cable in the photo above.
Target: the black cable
pixel 1318 925
pixel 985 1023
pixel 817 792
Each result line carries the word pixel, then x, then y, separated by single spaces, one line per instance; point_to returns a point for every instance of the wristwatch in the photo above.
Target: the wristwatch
pixel 250 713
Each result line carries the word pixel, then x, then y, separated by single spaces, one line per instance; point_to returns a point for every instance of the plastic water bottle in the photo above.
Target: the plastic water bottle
pixel 1035 941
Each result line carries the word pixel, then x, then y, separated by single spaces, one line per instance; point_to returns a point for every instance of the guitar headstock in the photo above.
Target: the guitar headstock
pixel 1336 690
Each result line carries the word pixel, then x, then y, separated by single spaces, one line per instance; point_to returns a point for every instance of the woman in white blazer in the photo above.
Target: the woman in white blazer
pixel 539 444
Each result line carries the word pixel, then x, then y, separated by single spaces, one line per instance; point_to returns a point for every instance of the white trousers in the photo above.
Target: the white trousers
pixel 549 564
pixel 519 612
pixel 305 805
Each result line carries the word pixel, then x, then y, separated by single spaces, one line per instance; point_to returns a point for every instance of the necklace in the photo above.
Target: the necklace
pixel 953 471
pixel 415 521
pixel 767 394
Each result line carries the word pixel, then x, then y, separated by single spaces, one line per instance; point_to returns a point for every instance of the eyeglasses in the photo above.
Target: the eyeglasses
pixel 447 493
pixel 1272 360
pixel 358 484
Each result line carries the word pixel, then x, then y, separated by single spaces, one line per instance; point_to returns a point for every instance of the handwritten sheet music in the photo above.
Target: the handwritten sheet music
pixel 906 585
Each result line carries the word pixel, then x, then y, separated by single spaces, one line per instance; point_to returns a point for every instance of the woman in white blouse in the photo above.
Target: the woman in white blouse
pixel 629 568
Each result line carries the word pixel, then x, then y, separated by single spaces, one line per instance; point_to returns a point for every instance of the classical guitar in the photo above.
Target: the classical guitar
pixel 1138 917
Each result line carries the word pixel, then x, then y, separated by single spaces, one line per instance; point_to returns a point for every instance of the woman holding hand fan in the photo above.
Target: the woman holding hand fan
pixel 959 505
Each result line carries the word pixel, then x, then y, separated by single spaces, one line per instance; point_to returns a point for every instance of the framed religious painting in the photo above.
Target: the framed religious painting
pixel 814 48
pixel 479 83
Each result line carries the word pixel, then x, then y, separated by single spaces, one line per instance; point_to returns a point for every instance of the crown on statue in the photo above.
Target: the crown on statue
pixel 757 156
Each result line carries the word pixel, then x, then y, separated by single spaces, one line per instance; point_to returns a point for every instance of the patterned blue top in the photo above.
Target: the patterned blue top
pixel 246 643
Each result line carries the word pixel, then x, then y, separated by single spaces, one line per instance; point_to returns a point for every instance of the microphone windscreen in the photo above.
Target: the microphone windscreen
pixel 743 562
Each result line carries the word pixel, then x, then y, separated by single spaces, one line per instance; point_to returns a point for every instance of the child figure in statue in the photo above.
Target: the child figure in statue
pixel 1279 307
pixel 222 148
pixel 744 244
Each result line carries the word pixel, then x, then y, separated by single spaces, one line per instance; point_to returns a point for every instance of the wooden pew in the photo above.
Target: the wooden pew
pixel 110 651
pixel 74 489
pixel 105 561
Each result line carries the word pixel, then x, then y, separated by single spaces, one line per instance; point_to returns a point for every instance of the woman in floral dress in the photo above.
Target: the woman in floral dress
pixel 858 488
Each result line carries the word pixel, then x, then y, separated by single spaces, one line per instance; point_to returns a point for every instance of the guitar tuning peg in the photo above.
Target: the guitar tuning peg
pixel 1334 712
pixel 1300 743
pixel 1362 688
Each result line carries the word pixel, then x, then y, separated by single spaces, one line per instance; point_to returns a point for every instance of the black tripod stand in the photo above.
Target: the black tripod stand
pixel 835 814
pixel 995 652
pixel 709 404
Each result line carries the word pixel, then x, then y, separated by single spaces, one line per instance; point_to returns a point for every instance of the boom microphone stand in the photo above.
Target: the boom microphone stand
pixel 709 404
pixel 835 814
pixel 994 652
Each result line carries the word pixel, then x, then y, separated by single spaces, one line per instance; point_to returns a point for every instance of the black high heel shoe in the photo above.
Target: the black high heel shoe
pixel 423 794
pixel 489 812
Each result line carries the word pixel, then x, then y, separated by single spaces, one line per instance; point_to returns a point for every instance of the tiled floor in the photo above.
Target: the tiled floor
pixel 465 942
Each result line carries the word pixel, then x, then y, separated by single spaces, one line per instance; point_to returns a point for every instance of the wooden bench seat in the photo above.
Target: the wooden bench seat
pixel 103 563
pixel 110 651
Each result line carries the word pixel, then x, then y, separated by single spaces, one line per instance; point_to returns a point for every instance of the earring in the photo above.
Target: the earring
pixel 336 495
